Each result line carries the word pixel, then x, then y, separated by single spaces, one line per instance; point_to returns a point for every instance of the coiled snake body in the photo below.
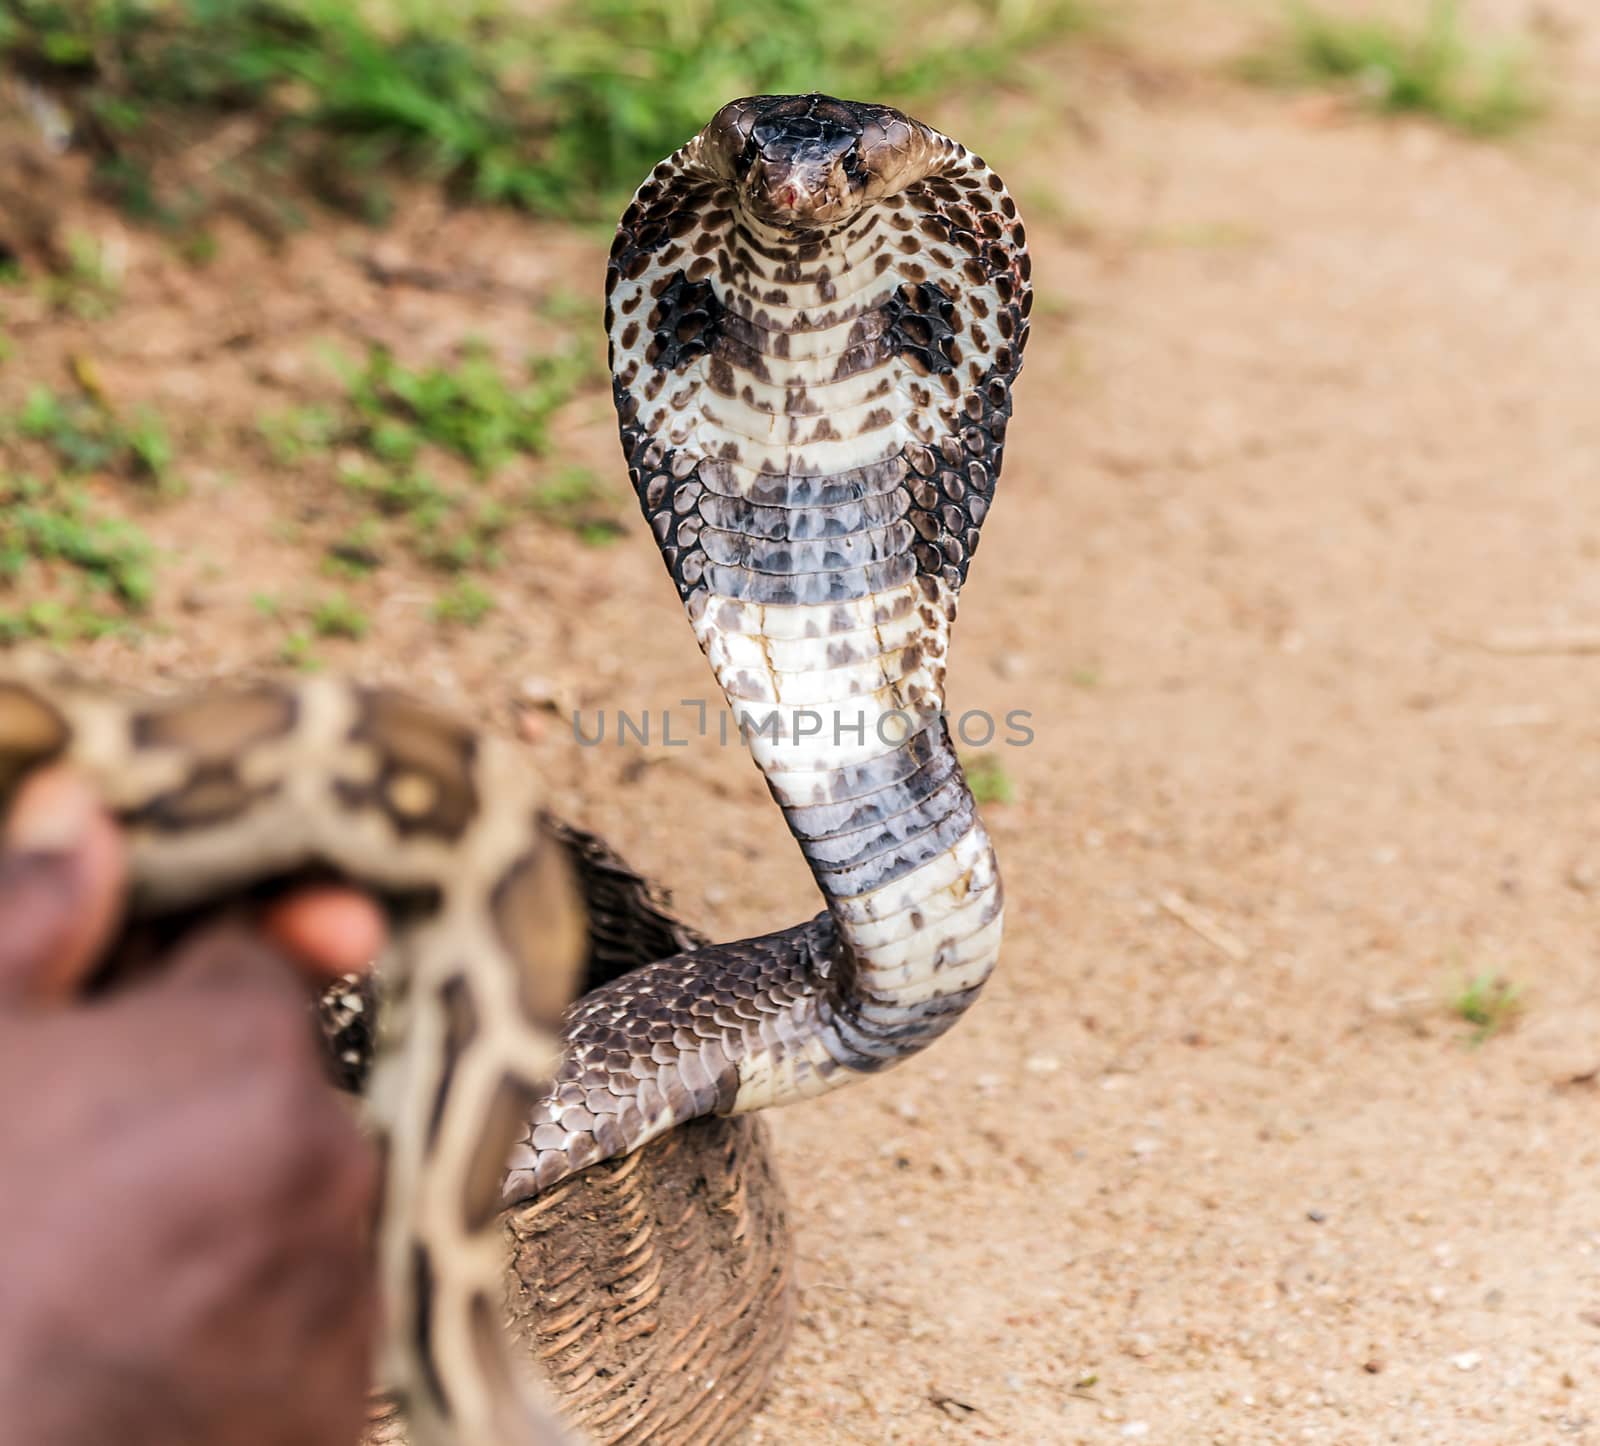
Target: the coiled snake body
pixel 816 310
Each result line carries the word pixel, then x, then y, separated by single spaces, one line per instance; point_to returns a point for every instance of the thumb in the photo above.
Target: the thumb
pixel 62 870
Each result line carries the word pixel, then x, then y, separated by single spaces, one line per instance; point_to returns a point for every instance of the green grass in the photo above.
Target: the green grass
pixel 298 651
pixel 335 616
pixel 1433 68
pixel 80 434
pixel 989 781
pixel 67 570
pixel 468 407
pixel 1489 1002
pixel 297 434
pixel 437 456
pixel 559 110
pixel 149 448
pixel 632 80
pixel 446 527
pixel 356 552
pixel 466 604
pixel 575 499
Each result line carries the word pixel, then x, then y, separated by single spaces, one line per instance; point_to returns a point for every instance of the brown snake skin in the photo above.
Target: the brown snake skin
pixel 655 1291
pixel 817 309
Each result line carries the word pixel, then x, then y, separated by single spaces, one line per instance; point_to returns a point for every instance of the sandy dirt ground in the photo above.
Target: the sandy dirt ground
pixel 1307 454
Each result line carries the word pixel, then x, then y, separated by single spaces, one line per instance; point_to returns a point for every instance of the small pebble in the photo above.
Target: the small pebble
pixel 1467 1360
pixel 1135 1429
pixel 538 691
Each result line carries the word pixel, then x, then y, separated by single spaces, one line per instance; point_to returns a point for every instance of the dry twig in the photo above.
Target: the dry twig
pixel 1204 925
pixel 1523 642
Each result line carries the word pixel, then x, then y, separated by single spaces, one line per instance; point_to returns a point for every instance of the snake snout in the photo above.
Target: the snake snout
pixel 800 192
pixel 805 193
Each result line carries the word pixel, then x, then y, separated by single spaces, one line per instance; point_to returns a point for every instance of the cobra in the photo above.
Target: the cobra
pixel 817 310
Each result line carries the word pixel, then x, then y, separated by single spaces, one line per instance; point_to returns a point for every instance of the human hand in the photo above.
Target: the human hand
pixel 183 1200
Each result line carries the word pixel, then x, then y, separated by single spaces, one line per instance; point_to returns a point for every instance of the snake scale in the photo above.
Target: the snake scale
pixel 816 311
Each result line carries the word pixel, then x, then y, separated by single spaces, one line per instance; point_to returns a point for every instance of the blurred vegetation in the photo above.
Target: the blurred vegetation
pixel 335 616
pixel 467 408
pixel 989 780
pixel 79 433
pixel 1489 1002
pixel 1432 69
pixel 67 569
pixel 465 603
pixel 576 499
pixel 188 103
pixel 448 527
pixel 441 460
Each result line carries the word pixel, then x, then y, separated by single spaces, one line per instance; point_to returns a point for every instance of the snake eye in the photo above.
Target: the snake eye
pixel 855 168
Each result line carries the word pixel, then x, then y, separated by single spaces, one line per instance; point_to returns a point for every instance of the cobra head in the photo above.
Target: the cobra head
pixel 804 162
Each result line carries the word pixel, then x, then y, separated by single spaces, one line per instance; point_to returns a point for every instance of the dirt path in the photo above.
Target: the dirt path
pixel 1319 408
pixel 1310 407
